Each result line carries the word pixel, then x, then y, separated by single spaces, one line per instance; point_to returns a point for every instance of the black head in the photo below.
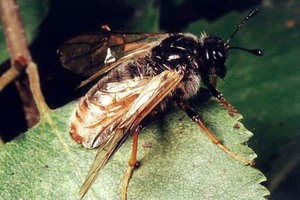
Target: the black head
pixel 213 50
pixel 213 55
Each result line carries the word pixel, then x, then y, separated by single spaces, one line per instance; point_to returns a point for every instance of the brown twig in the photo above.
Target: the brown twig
pixel 14 32
pixel 21 60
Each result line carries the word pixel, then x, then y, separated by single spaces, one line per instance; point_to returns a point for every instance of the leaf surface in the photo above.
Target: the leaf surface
pixel 177 161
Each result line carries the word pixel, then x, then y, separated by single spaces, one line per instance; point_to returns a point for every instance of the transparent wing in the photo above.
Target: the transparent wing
pixel 103 155
pixel 153 93
pixel 94 54
pixel 101 110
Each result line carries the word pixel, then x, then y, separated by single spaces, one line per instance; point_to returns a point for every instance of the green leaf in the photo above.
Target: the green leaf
pixel 32 14
pixel 177 161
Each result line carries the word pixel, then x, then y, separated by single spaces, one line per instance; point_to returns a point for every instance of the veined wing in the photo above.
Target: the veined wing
pixel 153 93
pixel 94 54
pixel 101 110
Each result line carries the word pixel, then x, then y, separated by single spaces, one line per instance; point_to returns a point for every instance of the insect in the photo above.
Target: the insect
pixel 142 74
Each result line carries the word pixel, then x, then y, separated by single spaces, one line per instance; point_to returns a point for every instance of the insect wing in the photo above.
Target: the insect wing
pixel 153 93
pixel 101 158
pixel 101 110
pixel 94 54
pixel 158 88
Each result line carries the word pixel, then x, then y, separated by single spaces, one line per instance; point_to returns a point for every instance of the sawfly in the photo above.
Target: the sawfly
pixel 141 74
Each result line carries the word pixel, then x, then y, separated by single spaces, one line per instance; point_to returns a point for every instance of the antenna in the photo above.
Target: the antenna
pixel 256 52
pixel 250 15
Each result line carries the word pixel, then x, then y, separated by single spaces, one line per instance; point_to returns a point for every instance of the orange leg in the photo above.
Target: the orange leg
pixel 228 106
pixel 212 88
pixel 194 116
pixel 132 162
pixel 222 100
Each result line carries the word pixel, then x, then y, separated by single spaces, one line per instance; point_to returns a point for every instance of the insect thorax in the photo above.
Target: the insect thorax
pixel 176 51
pixel 203 56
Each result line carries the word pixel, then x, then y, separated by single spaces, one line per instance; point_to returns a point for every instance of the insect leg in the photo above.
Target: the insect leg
pixel 132 162
pixel 195 117
pixel 212 88
pixel 227 105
